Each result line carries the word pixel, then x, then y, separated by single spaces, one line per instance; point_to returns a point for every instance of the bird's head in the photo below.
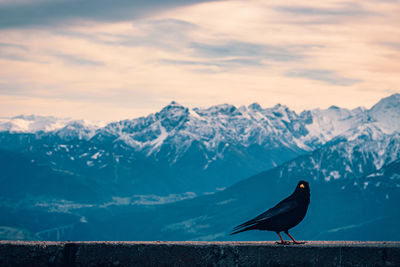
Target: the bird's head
pixel 303 186
pixel 302 192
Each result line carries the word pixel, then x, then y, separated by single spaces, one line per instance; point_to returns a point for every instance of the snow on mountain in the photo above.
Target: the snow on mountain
pixel 78 129
pixel 215 127
pixel 63 127
pixel 344 159
pixel 382 119
pixel 31 123
pixel 386 114
pixel 221 126
pixel 332 122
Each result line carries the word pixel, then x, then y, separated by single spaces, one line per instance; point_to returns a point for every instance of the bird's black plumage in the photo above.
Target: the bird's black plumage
pixel 284 216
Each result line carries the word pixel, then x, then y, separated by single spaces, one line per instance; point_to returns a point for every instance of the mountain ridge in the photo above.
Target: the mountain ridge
pixel 215 146
pixel 322 119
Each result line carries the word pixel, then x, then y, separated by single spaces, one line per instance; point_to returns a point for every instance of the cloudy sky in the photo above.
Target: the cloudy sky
pixel 108 60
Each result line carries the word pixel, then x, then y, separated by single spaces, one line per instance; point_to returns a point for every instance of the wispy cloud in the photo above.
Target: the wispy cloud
pixel 344 10
pixel 219 63
pixel 166 34
pixel 79 61
pixel 5 55
pixel 393 45
pixel 10 45
pixel 13 52
pixel 317 15
pixel 215 66
pixel 327 76
pixel 242 49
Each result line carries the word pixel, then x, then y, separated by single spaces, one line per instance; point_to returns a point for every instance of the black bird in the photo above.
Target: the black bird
pixel 285 215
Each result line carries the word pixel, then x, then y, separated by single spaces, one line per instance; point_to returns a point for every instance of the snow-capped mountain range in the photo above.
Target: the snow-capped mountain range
pixel 224 124
pixel 201 149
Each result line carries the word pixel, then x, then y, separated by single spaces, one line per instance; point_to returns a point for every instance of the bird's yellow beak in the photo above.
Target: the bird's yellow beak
pixel 302 186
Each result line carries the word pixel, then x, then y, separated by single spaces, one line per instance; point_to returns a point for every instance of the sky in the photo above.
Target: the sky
pixel 110 60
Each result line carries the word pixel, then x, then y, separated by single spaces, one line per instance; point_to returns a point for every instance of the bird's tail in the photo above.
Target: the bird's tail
pixel 236 230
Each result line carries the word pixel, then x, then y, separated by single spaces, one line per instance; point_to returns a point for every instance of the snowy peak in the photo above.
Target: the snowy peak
pixel 223 109
pixel 386 113
pixel 63 127
pixel 255 106
pixel 79 129
pixel 329 123
pixel 173 115
pixel 388 103
pixel 280 112
pixel 171 107
pixel 31 123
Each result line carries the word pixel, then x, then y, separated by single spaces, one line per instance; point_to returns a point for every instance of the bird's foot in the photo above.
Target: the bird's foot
pixel 283 242
pixel 299 242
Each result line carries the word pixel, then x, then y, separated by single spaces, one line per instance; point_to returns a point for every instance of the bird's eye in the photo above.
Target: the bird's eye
pixel 301 185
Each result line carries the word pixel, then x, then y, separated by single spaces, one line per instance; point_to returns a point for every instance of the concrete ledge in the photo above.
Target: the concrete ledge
pixel 315 253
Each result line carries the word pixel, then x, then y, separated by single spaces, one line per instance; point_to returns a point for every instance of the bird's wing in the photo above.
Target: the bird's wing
pixel 280 208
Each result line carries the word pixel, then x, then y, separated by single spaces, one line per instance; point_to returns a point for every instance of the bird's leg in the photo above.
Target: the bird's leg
pixel 294 241
pixel 283 242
